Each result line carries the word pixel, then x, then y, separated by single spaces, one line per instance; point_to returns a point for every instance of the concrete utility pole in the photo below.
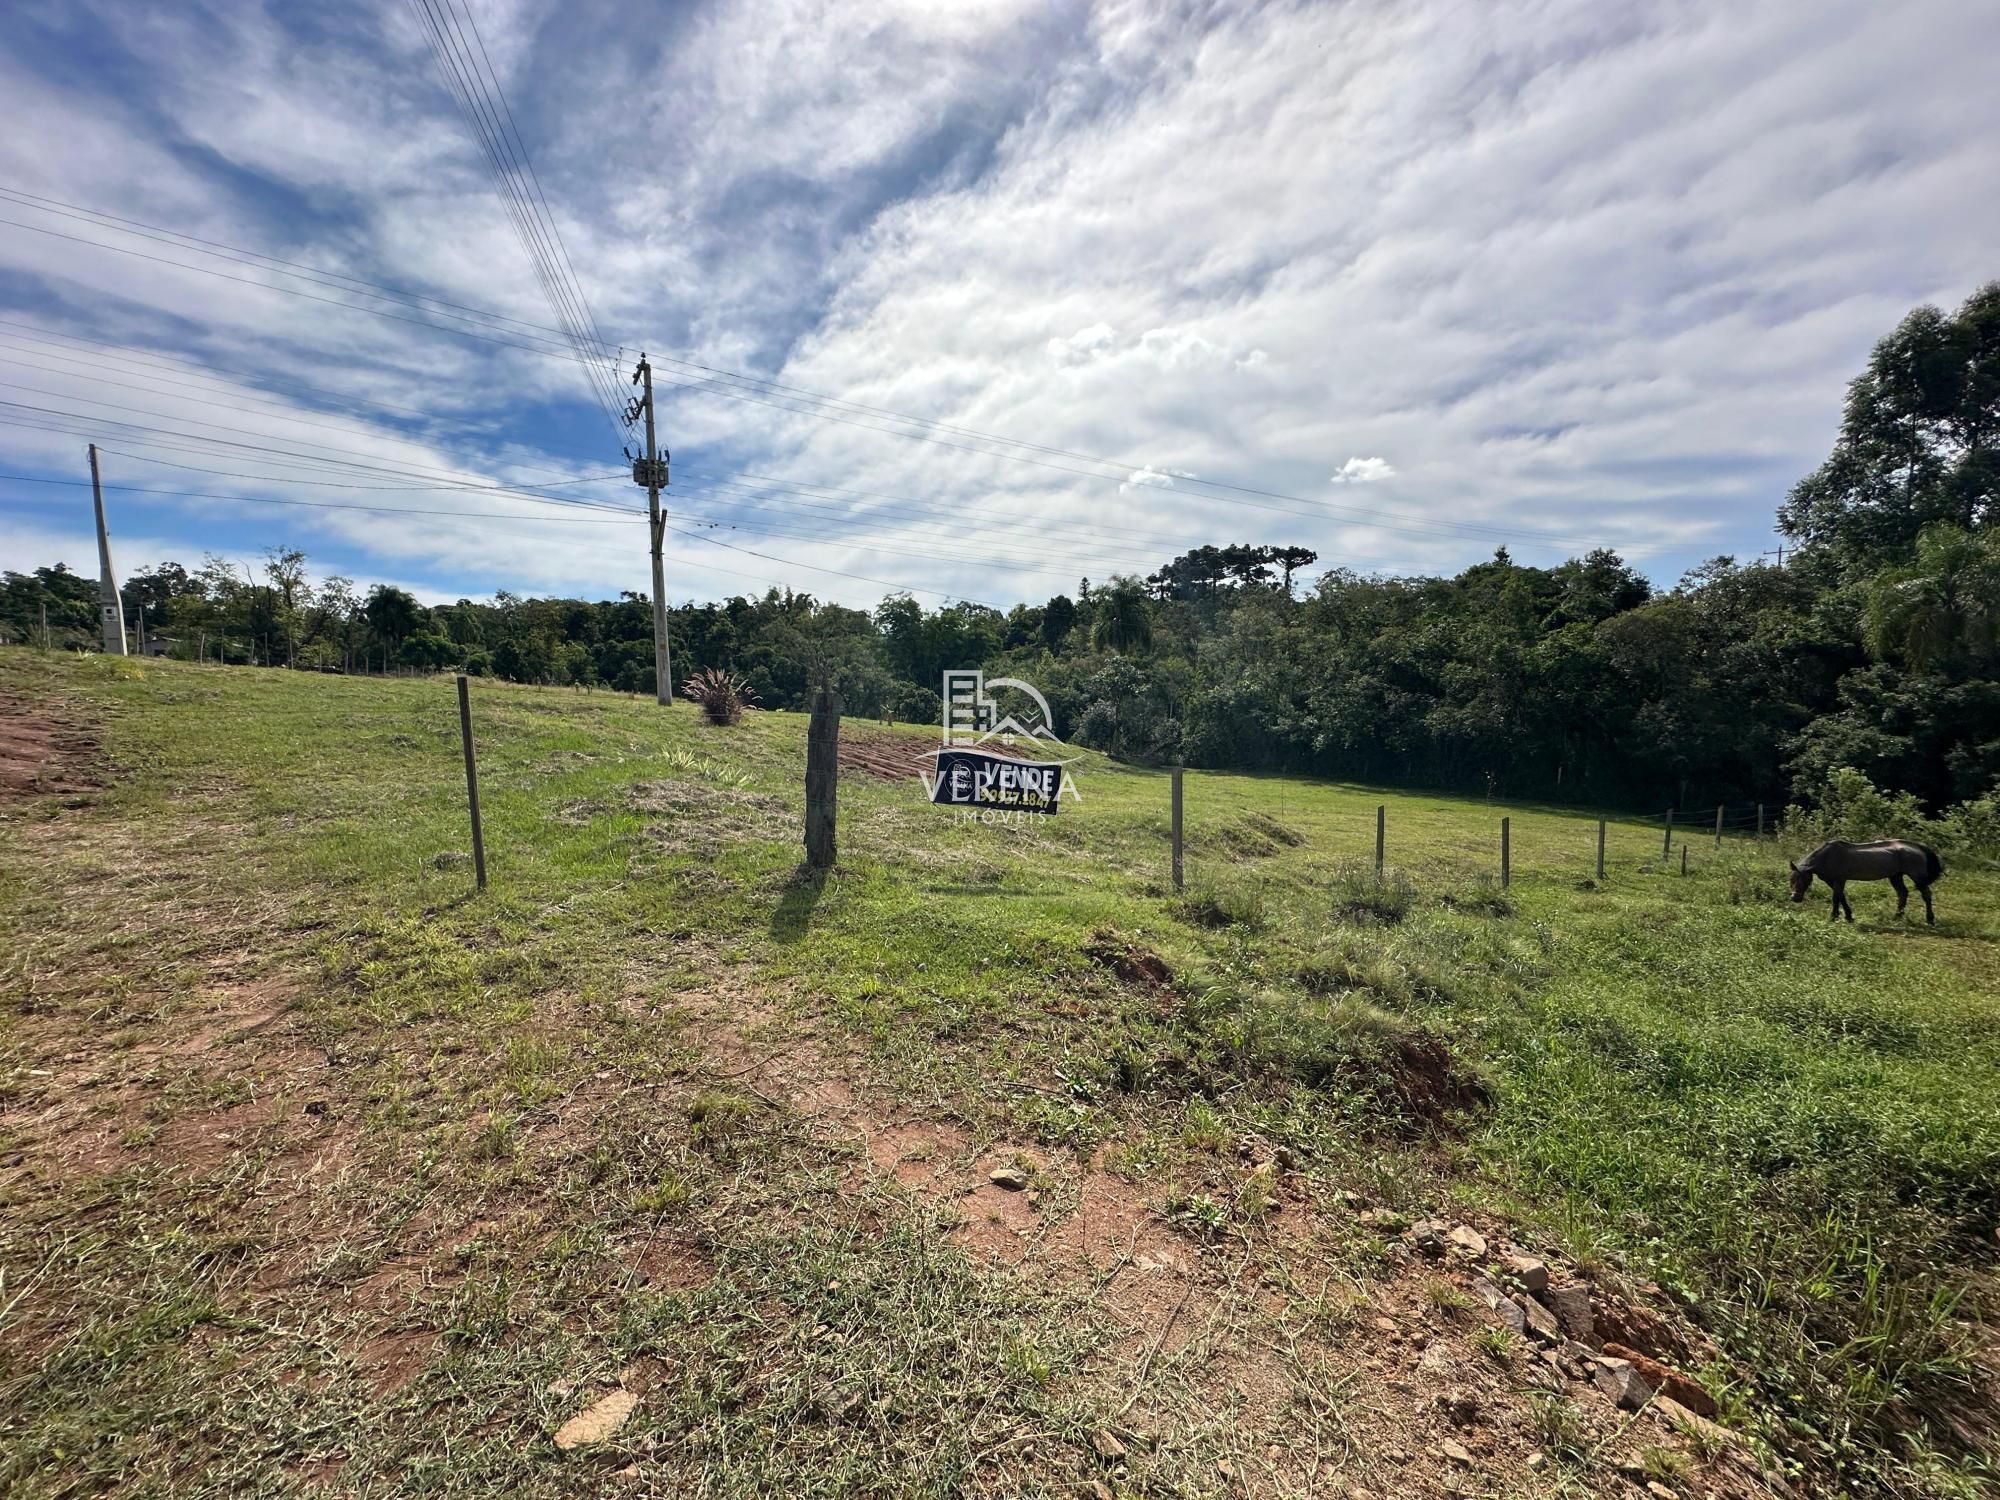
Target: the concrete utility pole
pixel 109 607
pixel 651 471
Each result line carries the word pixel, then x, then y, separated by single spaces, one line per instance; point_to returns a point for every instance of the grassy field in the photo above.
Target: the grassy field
pixel 320 1171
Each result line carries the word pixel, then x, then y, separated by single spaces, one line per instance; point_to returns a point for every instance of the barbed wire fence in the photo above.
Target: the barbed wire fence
pixel 1225 826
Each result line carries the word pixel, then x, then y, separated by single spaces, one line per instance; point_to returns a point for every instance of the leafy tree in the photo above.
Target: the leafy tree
pixel 1919 441
pixel 1942 609
pixel 1124 623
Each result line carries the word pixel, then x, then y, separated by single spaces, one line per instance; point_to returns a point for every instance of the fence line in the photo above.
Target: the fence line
pixel 1540 846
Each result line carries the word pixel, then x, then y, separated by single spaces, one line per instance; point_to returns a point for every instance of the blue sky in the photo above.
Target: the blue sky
pixel 1413 278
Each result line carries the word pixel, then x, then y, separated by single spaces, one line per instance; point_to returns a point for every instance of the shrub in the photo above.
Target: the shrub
pixel 1224 904
pixel 1361 895
pixel 722 696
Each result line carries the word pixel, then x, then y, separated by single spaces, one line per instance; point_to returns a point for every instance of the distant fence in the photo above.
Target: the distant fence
pixel 1229 820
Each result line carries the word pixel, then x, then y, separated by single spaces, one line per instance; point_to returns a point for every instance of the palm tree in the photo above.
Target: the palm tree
pixel 1944 606
pixel 1124 620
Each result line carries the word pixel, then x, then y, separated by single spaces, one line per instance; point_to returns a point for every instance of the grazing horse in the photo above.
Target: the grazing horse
pixel 1888 859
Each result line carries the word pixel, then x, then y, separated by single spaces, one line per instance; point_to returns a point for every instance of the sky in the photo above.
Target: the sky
pixel 973 301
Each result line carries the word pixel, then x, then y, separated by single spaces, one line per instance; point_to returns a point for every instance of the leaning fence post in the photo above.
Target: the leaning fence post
pixel 1177 828
pixel 1760 820
pixel 1718 826
pixel 1600 848
pixel 1381 829
pixel 471 781
pixel 1668 847
pixel 1506 865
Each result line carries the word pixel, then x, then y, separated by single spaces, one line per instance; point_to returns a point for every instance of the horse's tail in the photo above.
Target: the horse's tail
pixel 1933 866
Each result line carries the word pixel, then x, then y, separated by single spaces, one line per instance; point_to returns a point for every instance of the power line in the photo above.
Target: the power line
pixel 392 510
pixel 1122 468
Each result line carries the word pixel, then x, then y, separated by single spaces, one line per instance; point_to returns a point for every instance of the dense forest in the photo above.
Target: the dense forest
pixel 1876 645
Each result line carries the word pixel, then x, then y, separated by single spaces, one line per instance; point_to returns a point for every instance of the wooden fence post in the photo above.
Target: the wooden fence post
pixel 1381 832
pixel 471 781
pixel 1718 826
pixel 1506 862
pixel 822 779
pixel 1684 859
pixel 1760 820
pixel 1177 828
pixel 1668 847
pixel 1600 848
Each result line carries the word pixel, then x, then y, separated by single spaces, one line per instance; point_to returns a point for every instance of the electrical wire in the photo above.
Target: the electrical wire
pixel 1122 469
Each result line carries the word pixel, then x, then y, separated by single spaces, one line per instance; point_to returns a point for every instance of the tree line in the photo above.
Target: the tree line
pixel 1876 646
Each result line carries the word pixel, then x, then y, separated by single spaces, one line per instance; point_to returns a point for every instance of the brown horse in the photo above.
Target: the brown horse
pixel 1888 859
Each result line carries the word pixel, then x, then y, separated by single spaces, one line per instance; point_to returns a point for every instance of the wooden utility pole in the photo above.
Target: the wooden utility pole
pixel 651 471
pixel 108 603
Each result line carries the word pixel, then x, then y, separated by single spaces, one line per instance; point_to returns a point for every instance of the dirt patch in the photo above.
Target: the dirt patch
pixel 43 754
pixel 891 757
pixel 1432 1084
pixel 1134 963
pixel 390 1361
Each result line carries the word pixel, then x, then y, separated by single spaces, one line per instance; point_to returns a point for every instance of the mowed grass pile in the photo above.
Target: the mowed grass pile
pixel 1791 1125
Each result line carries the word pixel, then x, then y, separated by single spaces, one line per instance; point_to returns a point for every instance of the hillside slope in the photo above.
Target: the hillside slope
pixel 987 1164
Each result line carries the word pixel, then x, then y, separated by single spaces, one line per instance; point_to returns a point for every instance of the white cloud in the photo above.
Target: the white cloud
pixel 1590 271
pixel 1364 471
pixel 1153 479
pixel 1082 346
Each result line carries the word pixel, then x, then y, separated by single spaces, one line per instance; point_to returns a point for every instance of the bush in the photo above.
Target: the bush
pixel 1853 807
pixel 908 703
pixel 721 695
pixel 1224 904
pixel 1361 895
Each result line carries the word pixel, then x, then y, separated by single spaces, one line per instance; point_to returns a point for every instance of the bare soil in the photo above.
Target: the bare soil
pixel 45 754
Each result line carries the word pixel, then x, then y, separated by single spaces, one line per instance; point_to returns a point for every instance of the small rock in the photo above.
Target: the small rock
pixel 1013 1179
pixel 630 1474
pixel 1571 1305
pixel 1666 1380
pixel 1541 1322
pixel 1348 1198
pixel 1108 1447
pixel 1097 1489
pixel 1386 1326
pixel 1224 1468
pixel 596 1422
pixel 1385 1219
pixel 1537 1461
pixel 1427 1238
pixel 1504 1306
pixel 1621 1383
pixel 1460 1409
pixel 1468 1239
pixel 1456 1452
pixel 1659 1491
pixel 1670 1411
pixel 1531 1273
pixel 1355 1492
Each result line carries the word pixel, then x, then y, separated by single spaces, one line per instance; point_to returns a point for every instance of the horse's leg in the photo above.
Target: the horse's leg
pixel 1848 902
pixel 1902 893
pixel 1834 915
pixel 1930 916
